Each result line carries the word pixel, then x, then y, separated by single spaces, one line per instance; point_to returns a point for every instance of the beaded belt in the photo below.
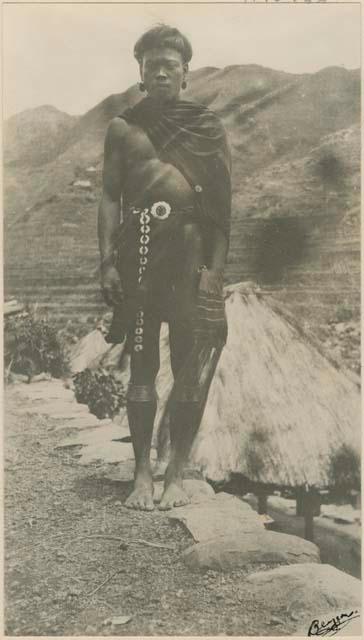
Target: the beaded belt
pixel 160 211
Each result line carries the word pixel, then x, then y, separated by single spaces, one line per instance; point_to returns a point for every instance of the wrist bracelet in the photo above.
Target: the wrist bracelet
pixel 205 268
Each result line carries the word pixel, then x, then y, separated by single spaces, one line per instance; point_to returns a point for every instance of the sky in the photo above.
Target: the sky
pixel 72 56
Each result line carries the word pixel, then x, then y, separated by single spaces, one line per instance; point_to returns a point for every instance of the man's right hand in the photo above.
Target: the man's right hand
pixel 111 286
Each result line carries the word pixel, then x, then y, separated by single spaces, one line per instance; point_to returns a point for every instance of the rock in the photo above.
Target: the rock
pixel 282 504
pixel 118 620
pixel 340 327
pixel 345 513
pixel 109 452
pixel 305 590
pixel 46 391
pixel 266 520
pixel 12 307
pixel 87 350
pixel 18 378
pixel 197 491
pixel 40 377
pixel 106 432
pixel 231 552
pixel 69 415
pixel 215 517
pixel 82 422
pixel 84 184
pixel 61 409
pixel 160 469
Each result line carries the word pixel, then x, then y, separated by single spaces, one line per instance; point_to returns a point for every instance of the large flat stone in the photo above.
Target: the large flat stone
pixel 228 553
pixel 107 431
pixel 58 409
pixel 304 591
pixel 197 490
pixel 344 513
pixel 108 452
pixel 84 421
pixel 122 472
pixel 46 390
pixel 213 519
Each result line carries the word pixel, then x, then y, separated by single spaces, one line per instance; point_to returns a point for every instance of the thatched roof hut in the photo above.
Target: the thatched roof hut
pixel 277 409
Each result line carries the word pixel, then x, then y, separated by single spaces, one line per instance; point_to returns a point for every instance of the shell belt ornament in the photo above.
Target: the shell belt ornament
pixel 160 211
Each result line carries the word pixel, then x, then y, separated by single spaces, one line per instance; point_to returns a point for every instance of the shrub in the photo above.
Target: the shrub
pixel 103 394
pixel 32 346
pixel 343 313
pixel 344 471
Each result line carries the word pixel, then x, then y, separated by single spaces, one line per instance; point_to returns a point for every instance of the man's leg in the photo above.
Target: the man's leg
pixel 142 404
pixel 185 408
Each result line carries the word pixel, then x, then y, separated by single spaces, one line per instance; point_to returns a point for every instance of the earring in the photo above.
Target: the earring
pixel 184 84
pixel 141 86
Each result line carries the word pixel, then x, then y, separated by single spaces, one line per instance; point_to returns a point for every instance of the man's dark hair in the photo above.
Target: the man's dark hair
pixel 163 36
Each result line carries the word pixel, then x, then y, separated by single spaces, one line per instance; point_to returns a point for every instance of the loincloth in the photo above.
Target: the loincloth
pixel 149 249
pixel 149 258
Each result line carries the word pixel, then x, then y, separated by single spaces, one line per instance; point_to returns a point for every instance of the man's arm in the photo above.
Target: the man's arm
pixel 220 248
pixel 109 210
pixel 212 279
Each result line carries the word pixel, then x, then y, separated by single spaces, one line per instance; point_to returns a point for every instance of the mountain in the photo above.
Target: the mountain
pixel 296 191
pixel 36 136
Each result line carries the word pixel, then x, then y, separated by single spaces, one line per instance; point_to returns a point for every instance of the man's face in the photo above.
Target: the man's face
pixel 163 72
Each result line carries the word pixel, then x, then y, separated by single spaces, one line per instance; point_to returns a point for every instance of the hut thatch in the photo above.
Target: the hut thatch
pixel 277 409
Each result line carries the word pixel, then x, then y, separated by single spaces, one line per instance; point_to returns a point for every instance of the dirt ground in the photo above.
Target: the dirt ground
pixel 61 581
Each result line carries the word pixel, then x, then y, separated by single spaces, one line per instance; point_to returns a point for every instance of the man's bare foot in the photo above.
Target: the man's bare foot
pixel 141 497
pixel 173 496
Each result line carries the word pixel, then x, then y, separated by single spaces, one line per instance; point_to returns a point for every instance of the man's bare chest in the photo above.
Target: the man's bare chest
pixel 146 171
pixel 138 148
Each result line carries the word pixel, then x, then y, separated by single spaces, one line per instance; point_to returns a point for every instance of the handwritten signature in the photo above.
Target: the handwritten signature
pixel 332 626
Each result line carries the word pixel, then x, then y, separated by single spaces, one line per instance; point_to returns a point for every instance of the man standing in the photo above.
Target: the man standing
pixel 169 161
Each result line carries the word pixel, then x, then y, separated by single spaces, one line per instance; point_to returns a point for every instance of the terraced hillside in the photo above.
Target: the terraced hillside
pixel 296 203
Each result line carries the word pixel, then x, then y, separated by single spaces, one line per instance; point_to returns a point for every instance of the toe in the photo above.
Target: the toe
pixel 164 506
pixel 144 504
pixel 149 503
pixel 132 503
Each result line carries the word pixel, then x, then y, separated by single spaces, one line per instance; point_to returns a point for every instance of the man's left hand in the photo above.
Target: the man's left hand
pixel 211 281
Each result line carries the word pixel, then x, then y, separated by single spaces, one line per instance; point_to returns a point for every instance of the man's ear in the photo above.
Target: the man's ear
pixel 185 68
